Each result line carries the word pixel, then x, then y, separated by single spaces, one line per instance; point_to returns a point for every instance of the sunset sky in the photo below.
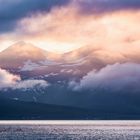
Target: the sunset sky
pixel 64 25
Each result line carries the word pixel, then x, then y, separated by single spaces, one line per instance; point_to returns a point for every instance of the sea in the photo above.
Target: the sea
pixel 70 130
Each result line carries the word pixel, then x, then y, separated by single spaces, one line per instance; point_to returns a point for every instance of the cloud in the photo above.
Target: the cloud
pixel 114 88
pixel 109 33
pixel 12 11
pixel 60 24
pixel 8 80
pixel 30 66
pixel 105 6
pixel 112 78
pixel 29 84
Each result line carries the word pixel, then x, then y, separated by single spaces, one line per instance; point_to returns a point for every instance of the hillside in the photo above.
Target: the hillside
pixel 19 110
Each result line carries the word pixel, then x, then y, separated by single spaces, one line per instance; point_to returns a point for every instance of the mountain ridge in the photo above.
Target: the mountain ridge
pixel 21 52
pixel 18 54
pixel 21 110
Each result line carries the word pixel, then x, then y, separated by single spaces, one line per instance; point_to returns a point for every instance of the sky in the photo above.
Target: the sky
pixel 64 25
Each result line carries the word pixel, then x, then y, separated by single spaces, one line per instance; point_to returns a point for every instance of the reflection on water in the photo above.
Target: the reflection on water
pixel 70 130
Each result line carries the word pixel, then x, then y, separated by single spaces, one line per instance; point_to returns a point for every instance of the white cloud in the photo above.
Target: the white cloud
pixel 29 66
pixel 28 84
pixel 113 78
pixel 8 80
pixel 109 32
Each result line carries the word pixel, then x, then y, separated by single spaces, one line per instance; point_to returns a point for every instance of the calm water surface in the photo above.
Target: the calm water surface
pixel 70 130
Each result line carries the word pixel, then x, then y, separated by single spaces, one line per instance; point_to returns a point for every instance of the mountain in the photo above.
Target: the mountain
pixel 17 54
pixel 30 61
pixel 62 73
pixel 20 110
pixel 92 54
pixel 25 57
pixel 21 52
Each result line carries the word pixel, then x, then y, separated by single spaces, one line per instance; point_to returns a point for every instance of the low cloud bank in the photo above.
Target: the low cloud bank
pixel 114 88
pixel 29 84
pixel 112 78
pixel 8 80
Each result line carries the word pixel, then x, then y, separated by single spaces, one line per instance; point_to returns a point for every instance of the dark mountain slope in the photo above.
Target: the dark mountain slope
pixel 19 110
